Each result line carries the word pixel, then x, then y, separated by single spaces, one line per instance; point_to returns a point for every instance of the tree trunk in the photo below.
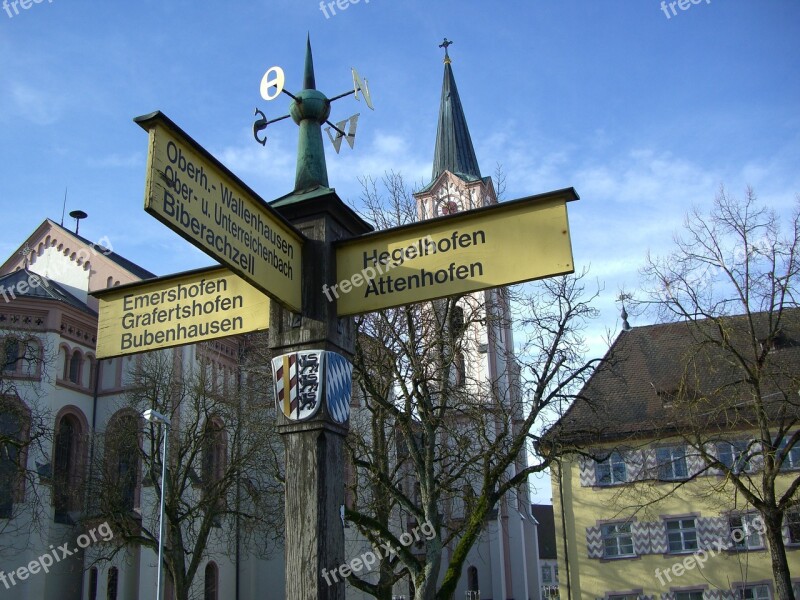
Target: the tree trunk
pixel 777 550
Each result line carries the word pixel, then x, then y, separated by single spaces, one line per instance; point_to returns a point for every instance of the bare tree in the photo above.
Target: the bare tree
pixel 25 435
pixel 440 445
pixel 219 489
pixel 733 280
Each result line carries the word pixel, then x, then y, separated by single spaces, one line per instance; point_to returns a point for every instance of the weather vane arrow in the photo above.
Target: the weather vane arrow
pixel 310 103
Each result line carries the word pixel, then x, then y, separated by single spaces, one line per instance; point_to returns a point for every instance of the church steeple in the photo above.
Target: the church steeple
pixel 454 151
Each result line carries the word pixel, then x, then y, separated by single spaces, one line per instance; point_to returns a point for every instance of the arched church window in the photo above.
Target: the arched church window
pixel 113 583
pixel 14 428
pixel 75 363
pixel 122 460
pixel 214 454
pixel 11 355
pixel 472 579
pixel 67 465
pixel 211 582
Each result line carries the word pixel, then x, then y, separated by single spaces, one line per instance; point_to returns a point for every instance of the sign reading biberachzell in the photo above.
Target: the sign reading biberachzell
pixel 465 252
pixel 195 195
pixel 178 309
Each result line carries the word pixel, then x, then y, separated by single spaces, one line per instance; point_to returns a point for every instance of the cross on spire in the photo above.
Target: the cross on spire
pixel 444 45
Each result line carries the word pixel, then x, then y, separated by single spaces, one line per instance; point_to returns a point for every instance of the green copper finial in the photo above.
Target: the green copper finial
pixel 310 110
pixel 308 74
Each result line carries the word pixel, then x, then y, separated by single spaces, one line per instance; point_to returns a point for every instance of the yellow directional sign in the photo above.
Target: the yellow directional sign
pixel 194 194
pixel 179 309
pixel 483 248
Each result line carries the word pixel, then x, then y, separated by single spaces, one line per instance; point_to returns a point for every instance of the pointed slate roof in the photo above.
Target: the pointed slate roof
pixel 27 284
pixel 454 151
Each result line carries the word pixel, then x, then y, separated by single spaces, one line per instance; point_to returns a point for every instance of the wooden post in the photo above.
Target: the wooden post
pixel 315 448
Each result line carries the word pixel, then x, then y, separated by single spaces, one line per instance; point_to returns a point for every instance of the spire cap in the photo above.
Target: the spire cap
pixel 454 151
pixel 310 109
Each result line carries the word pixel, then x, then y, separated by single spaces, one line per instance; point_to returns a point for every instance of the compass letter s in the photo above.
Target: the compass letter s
pixel 260 125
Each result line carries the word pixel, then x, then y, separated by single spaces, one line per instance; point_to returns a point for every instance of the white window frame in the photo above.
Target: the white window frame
pixel 792 459
pixel 666 461
pixel 685 532
pixel 752 540
pixel 547 574
pixel 619 533
pixel 756 592
pixel 734 455
pixel 687 594
pixel 795 515
pixel 610 469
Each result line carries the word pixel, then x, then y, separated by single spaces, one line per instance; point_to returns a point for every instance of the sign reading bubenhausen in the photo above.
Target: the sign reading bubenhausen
pixel 478 249
pixel 179 309
pixel 191 192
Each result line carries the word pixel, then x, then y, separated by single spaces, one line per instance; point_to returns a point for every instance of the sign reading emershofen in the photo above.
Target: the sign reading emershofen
pixel 191 192
pixel 479 249
pixel 178 309
pixel 304 379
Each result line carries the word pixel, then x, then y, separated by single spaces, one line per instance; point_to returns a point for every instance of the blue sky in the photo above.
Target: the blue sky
pixel 643 114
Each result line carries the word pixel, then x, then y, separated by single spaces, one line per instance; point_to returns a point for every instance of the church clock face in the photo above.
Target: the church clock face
pixel 448 206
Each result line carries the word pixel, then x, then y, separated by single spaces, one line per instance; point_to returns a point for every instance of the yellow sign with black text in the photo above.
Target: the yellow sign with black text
pixel 194 194
pixel 179 309
pixel 479 249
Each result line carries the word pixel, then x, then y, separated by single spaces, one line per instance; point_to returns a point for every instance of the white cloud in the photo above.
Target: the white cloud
pixel 33 104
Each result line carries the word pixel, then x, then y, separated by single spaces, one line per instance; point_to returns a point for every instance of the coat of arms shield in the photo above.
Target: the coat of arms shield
pixel 301 379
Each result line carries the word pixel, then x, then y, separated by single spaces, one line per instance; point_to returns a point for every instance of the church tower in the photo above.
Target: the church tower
pixel 504 564
pixel 456 182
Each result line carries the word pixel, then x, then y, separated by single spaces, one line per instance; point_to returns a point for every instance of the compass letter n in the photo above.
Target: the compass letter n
pixel 351 132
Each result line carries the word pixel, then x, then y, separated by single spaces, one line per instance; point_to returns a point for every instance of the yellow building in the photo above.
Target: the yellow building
pixel 645 506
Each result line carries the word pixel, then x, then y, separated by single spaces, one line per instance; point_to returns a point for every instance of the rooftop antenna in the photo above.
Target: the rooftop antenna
pixel 64 208
pixel 78 215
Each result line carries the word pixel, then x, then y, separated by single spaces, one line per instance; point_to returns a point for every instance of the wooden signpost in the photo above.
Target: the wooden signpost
pixel 320 263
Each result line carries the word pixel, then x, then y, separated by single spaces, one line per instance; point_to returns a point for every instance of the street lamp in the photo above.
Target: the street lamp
pixel 156 417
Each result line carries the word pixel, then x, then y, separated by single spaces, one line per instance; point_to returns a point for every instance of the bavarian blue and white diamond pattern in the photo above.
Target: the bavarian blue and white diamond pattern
pixel 338 386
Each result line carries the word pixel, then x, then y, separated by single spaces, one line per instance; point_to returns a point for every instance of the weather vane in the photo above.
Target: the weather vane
pixel 272 84
pixel 444 45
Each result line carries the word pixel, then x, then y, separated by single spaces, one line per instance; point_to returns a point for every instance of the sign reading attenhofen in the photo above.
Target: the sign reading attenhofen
pixel 479 249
